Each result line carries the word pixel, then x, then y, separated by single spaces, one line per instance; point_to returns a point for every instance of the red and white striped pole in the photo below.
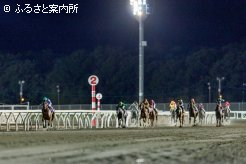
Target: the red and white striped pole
pixel 93 81
pixel 93 97
pixel 98 105
pixel 99 97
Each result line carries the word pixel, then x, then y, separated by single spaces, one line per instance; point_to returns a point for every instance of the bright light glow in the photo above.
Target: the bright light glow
pixel 140 7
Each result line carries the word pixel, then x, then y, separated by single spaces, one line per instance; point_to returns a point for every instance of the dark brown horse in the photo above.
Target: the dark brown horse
pixel 219 115
pixel 180 115
pixel 122 116
pixel 193 111
pixel 48 115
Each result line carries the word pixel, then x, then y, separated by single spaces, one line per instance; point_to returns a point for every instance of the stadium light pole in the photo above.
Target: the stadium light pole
pixel 58 94
pixel 21 83
pixel 209 92
pixel 141 11
pixel 219 79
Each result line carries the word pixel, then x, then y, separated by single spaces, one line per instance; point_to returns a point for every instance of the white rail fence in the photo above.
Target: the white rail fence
pixel 15 118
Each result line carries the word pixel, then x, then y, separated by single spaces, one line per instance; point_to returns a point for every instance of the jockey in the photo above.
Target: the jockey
pixel 201 107
pixel 153 105
pixel 227 106
pixel 220 100
pixel 135 104
pixel 192 105
pixel 181 105
pixel 145 103
pixel 122 106
pixel 172 106
pixel 45 99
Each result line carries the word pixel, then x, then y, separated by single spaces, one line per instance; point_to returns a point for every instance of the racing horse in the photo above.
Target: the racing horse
pixel 144 115
pixel 153 116
pixel 121 115
pixel 173 116
pixel 226 111
pixel 48 115
pixel 218 115
pixel 193 111
pixel 173 108
pixel 201 113
pixel 134 113
pixel 180 116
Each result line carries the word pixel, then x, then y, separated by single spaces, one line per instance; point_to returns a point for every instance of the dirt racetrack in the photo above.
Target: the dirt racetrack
pixel 200 144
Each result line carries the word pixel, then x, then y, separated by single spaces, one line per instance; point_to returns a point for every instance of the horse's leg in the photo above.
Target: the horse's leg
pixel 120 123
pixel 43 120
pixel 183 120
pixel 125 121
pixel 189 119
pixel 156 117
pixel 176 120
pixel 52 119
pixel 180 121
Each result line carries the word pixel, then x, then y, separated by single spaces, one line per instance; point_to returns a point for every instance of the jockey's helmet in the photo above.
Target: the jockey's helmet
pixel 180 101
pixel 227 103
pixel 201 105
pixel 45 98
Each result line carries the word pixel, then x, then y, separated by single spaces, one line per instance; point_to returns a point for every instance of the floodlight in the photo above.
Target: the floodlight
pixel 140 9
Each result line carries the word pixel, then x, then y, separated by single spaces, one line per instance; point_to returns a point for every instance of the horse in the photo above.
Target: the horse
pixel 121 115
pixel 134 113
pixel 153 115
pixel 173 108
pixel 173 116
pixel 180 116
pixel 144 114
pixel 219 115
pixel 193 112
pixel 48 115
pixel 226 112
pixel 201 114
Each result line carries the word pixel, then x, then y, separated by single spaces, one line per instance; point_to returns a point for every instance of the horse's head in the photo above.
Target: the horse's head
pixel 179 109
pixel 45 105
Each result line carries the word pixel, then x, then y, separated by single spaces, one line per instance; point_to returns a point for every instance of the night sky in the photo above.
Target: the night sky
pixel 188 23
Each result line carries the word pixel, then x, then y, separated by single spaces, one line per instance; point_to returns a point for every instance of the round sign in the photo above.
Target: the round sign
pixel 93 80
pixel 99 96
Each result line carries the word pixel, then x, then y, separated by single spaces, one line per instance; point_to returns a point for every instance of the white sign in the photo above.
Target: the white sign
pixel 99 96
pixel 93 80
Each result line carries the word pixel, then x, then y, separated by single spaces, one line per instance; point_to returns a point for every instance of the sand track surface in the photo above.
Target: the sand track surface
pixel 200 144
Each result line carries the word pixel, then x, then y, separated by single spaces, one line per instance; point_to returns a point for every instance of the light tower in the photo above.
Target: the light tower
pixel 58 94
pixel 219 79
pixel 21 83
pixel 209 92
pixel 141 11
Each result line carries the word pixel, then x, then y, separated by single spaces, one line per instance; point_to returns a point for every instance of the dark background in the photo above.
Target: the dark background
pixel 190 43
